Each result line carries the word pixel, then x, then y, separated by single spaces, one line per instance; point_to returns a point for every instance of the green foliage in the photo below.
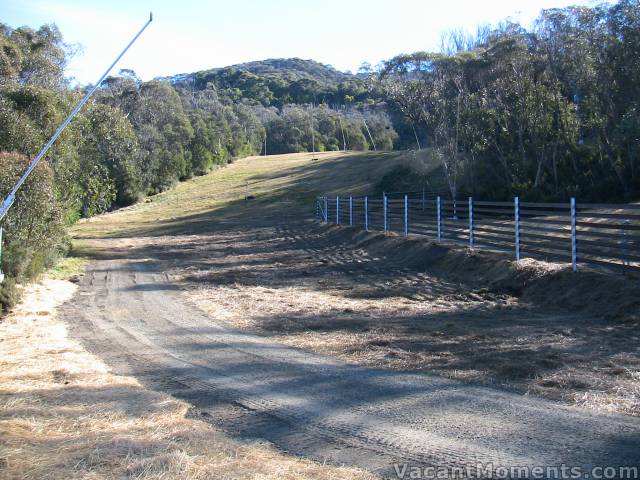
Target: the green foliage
pixel 34 230
pixel 546 113
pixel 9 294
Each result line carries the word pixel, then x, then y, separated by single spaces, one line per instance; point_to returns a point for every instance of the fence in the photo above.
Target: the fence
pixel 598 234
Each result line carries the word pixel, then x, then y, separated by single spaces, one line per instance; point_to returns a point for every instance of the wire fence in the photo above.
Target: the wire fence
pixel 606 235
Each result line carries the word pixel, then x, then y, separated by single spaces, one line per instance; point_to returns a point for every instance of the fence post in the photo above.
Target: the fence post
pixel 471 239
pixel 574 236
pixel 384 206
pixel 350 211
pixel 337 209
pixel 439 221
pixel 516 203
pixel 366 213
pixel 326 209
pixel 406 215
pixel 625 246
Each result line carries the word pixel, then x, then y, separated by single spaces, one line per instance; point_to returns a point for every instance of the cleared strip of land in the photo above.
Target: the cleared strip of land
pixel 202 294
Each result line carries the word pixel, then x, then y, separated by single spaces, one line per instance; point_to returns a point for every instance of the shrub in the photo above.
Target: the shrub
pixel 34 231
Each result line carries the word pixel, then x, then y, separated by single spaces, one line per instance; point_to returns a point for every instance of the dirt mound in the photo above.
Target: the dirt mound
pixel 613 296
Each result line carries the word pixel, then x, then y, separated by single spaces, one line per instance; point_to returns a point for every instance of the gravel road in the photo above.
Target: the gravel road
pixel 130 313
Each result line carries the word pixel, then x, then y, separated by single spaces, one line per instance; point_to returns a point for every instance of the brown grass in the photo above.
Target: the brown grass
pixel 64 415
pixel 532 327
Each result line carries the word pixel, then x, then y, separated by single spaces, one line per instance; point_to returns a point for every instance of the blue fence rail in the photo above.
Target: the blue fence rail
pixel 577 233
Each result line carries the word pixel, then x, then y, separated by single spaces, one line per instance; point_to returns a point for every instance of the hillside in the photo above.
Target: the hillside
pixel 278 81
pixel 292 68
pixel 282 186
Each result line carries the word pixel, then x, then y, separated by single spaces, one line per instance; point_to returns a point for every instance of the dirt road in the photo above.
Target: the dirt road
pixel 130 312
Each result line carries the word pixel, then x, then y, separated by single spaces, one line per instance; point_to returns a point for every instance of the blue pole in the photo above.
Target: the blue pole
pixel 1 274
pixel 351 211
pixel 574 239
pixel 366 213
pixel 439 221
pixel 337 210
pixel 8 201
pixel 384 204
pixel 516 203
pixel 406 216
pixel 326 209
pixel 471 239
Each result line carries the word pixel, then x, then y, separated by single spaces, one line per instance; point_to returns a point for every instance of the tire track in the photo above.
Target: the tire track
pixel 131 315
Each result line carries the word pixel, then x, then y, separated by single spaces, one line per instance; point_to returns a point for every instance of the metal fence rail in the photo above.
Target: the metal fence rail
pixel 576 233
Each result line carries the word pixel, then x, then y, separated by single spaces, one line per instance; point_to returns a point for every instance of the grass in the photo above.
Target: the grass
pixel 280 185
pixel 64 415
pixel 68 268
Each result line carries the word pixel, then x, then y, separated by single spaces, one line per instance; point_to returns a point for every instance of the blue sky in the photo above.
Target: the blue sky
pixel 190 35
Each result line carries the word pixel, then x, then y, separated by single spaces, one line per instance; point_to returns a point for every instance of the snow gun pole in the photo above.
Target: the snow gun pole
pixel 8 201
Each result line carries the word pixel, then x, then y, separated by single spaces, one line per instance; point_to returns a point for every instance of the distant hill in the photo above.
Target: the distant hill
pixel 278 81
pixel 295 67
pixel 291 68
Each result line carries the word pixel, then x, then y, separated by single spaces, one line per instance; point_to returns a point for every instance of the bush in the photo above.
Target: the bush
pixel 9 294
pixel 34 231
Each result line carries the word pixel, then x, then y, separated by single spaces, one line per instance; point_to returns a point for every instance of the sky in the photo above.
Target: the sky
pixel 192 35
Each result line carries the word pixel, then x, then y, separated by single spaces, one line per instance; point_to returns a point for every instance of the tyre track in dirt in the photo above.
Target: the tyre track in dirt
pixel 131 314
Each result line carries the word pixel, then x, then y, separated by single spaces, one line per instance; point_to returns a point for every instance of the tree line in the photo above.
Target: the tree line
pixel 138 138
pixel 546 113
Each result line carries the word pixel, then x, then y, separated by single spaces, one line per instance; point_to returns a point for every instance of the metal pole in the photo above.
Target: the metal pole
pixel 516 203
pixel 372 142
pixel 384 205
pixel 406 216
pixel 337 210
pixel 351 211
pixel 574 238
pixel 626 246
pixel 366 213
pixel 439 221
pixel 471 239
pixel 326 209
pixel 8 201
pixel 1 274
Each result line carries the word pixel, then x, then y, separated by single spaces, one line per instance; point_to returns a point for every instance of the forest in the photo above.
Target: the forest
pixel 546 112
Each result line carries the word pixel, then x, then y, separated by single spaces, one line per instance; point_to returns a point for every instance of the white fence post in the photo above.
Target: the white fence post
pixel 350 211
pixel 406 216
pixel 366 213
pixel 516 204
pixel 326 209
pixel 337 209
pixel 439 221
pixel 471 239
pixel 574 239
pixel 384 206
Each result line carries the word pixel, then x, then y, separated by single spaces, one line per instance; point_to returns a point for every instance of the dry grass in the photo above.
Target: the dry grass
pixel 472 317
pixel 64 415
pixel 469 320
pixel 282 186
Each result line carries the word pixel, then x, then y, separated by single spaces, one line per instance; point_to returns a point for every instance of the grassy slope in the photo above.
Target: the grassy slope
pixel 281 184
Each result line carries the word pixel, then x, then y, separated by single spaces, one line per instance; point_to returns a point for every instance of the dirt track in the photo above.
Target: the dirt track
pixel 132 313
